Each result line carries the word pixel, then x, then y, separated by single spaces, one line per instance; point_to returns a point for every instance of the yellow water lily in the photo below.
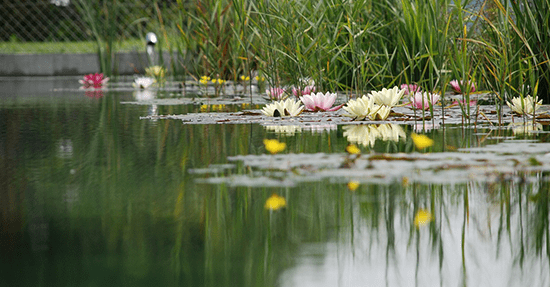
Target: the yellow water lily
pixel 274 146
pixel 353 149
pixel 525 105
pixel 421 141
pixel 275 202
pixel 204 80
pixel 422 217
pixel 353 185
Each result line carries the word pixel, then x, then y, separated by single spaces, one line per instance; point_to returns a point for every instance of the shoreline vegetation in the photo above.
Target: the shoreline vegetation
pixel 347 46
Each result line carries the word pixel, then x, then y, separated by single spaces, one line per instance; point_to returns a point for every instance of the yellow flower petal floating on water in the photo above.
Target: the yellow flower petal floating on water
pixel 275 202
pixel 421 141
pixel 353 185
pixel 422 218
pixel 274 146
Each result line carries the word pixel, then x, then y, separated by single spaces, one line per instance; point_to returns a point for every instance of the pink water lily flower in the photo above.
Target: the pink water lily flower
pixel 276 93
pixel 410 89
pixel 96 81
pixel 423 101
pixel 297 92
pixel 456 86
pixel 316 102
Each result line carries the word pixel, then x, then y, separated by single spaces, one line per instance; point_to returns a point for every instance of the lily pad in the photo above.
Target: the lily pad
pixel 508 160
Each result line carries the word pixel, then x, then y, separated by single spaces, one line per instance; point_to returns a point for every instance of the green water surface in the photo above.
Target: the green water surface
pixel 90 195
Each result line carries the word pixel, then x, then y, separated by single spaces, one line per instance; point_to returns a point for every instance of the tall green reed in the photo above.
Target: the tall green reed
pixel 514 45
pixel 360 45
pixel 101 18
pixel 208 29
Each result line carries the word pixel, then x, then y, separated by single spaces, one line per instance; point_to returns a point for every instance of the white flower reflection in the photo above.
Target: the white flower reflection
pixel 321 128
pixel 285 130
pixel 144 95
pixel 521 128
pixel 147 95
pixel 367 135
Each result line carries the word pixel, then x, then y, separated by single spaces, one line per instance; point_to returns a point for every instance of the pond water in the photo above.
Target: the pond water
pixel 98 190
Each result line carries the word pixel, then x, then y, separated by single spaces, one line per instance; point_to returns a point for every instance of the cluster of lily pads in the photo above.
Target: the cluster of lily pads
pixel 376 105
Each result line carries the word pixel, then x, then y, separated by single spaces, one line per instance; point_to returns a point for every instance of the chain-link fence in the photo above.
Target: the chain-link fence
pixel 50 26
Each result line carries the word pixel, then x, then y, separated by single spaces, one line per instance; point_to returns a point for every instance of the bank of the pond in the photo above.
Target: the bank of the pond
pixel 126 63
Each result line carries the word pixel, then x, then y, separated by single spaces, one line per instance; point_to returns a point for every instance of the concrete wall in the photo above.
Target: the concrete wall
pixel 70 64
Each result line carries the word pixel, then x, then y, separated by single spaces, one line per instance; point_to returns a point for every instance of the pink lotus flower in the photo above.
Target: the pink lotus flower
pixel 422 101
pixel 297 92
pixel 456 86
pixel 95 81
pixel 410 89
pixel 275 93
pixel 316 102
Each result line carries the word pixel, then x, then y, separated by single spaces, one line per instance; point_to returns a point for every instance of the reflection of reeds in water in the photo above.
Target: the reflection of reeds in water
pixel 367 135
pixel 425 126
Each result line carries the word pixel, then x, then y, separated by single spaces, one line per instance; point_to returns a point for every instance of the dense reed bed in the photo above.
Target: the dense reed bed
pixel 355 46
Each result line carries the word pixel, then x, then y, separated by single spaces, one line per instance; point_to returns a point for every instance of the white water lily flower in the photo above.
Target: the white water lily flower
pixel 387 97
pixel 379 112
pixel 359 108
pixel 143 82
pixel 365 107
pixel 524 106
pixel 288 107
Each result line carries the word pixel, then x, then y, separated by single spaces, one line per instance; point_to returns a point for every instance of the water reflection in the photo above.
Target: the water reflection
pixel 426 126
pixel 147 95
pixel 476 238
pixel 522 128
pixel 367 135
pixel 91 195
pixel 287 130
